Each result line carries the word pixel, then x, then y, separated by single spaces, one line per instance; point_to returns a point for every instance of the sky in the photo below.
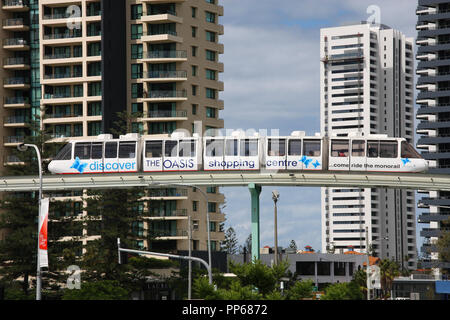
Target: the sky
pixel 271 82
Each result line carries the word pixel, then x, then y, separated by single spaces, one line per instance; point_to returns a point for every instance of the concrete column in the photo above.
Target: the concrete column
pixel 255 191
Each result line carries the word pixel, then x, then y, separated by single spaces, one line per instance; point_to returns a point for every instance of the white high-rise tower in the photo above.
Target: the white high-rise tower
pixel 366 81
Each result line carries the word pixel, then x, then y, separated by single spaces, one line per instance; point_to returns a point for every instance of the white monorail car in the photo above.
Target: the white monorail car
pixel 178 152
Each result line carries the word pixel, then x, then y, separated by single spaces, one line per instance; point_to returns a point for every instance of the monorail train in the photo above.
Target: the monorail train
pixel 178 152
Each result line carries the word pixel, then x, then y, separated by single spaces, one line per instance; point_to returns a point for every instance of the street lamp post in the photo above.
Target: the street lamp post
pixel 24 147
pixel 275 197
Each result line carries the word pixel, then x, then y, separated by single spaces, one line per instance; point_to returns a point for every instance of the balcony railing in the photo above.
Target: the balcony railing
pixel 61 95
pixel 169 213
pixel 66 35
pixel 15 42
pixel 154 11
pixel 15 3
pixel 13 22
pixel 164 74
pixel 15 61
pixel 167 193
pixel 166 94
pixel 156 33
pixel 16 81
pixel 64 15
pixel 16 119
pixel 13 139
pixel 165 114
pixel 63 75
pixel 61 115
pixel 175 54
pixel 16 100
pixel 169 233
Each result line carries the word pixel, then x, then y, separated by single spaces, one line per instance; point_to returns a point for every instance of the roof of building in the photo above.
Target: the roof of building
pixel 372 260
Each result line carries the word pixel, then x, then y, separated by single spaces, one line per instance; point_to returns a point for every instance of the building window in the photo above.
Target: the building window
pixel 136 71
pixel 94 109
pixel 136 51
pixel 136 90
pixel 137 108
pixel 210 112
pixel 210 55
pixel 94 49
pixel 210 36
pixel 136 11
pixel 194 12
pixel 210 74
pixel 211 1
pixel 194 32
pixel 210 17
pixel 194 51
pixel 210 93
pixel 194 71
pixel 195 224
pixel 136 31
pixel 212 207
pixel 94 89
pixel 78 90
pixel 211 189
pixel 213 226
pixel 94 128
pixel 194 109
pixel 194 206
pixel 194 90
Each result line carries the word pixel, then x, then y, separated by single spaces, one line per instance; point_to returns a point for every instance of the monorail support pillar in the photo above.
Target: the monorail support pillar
pixel 255 191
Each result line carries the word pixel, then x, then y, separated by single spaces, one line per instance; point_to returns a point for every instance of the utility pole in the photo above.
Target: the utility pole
pixel 275 197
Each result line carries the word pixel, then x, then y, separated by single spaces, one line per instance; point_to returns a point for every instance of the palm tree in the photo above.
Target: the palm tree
pixel 389 270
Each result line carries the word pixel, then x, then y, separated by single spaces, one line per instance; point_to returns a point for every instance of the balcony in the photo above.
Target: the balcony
pixel 12 160
pixel 164 76
pixel 16 83
pixel 163 37
pixel 15 5
pixel 70 36
pixel 177 213
pixel 166 194
pixel 17 24
pixel 16 44
pixel 166 95
pixel 16 121
pixel 161 17
pixel 170 234
pixel 16 102
pixel 61 77
pixel 165 56
pixel 12 141
pixel 16 63
pixel 180 115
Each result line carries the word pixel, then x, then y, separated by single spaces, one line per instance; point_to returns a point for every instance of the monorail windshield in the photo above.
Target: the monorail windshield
pixel 408 151
pixel 65 153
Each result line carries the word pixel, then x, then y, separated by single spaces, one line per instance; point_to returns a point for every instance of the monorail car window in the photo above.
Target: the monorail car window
pixel 214 148
pixel 153 149
pixel 127 149
pixel 388 149
pixel 409 152
pixel 231 147
pixel 295 147
pixel 110 150
pixel 249 148
pixel 65 153
pixel 170 148
pixel 311 148
pixel 339 148
pixel 276 147
pixel 358 148
pixel 187 148
pixel 97 150
pixel 82 150
pixel 373 149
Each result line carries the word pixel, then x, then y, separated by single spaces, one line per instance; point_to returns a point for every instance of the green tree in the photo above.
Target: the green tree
pixel 230 244
pixel 98 290
pixel 301 290
pixel 18 220
pixel 443 244
pixel 389 269
pixel 343 291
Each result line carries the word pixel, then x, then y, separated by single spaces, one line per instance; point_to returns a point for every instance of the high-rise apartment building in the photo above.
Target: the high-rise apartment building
pixel 76 64
pixel 433 83
pixel 366 86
